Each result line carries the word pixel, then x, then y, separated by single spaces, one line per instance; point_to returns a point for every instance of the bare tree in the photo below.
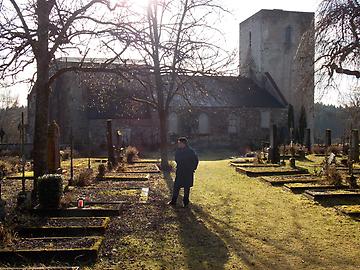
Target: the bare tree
pixel 34 32
pixel 174 41
pixel 337 37
pixel 351 104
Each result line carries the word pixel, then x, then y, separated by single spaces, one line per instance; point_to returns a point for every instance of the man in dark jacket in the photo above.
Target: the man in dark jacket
pixel 186 164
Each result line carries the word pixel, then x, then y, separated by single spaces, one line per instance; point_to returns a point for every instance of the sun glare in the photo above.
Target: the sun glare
pixel 138 4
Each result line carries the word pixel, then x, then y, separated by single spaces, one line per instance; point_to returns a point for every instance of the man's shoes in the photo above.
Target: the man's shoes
pixel 171 203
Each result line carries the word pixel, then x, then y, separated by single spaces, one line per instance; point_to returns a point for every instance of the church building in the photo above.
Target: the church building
pixel 276 54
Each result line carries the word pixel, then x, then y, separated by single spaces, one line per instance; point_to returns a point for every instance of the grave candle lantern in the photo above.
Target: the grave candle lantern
pixel 80 202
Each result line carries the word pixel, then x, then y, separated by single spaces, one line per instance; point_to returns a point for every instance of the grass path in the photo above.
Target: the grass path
pixel 234 222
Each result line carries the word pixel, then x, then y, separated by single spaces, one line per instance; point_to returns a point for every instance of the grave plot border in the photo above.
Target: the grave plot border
pixel 252 173
pixel 84 255
pixel 141 161
pixel 292 187
pixel 277 183
pixel 42 268
pixel 326 198
pixel 342 210
pixel 150 161
pixel 19 177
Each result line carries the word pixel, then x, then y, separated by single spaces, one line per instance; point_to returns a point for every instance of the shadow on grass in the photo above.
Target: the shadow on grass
pixel 246 246
pixel 207 240
pixel 203 248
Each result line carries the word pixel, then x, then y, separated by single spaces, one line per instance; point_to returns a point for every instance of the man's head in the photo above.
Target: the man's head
pixel 182 142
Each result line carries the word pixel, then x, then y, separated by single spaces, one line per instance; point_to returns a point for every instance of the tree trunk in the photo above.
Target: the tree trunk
pixel 41 127
pixel 41 90
pixel 163 140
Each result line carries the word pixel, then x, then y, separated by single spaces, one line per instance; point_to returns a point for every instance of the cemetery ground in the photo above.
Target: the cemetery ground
pixel 234 222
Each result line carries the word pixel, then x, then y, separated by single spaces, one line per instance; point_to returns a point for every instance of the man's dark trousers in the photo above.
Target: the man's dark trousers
pixel 176 194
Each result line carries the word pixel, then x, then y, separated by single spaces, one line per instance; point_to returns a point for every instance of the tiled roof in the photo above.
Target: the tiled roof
pixel 225 91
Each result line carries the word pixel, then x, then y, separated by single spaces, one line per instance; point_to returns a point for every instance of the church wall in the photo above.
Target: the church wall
pixel 230 126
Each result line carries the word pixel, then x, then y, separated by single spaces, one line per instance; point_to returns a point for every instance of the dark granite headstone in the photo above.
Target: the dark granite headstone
pixel 308 139
pixel 328 137
pixel 111 153
pixel 354 151
pixel 274 155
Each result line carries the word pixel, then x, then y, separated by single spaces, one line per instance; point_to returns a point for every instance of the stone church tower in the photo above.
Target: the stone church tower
pixel 277 52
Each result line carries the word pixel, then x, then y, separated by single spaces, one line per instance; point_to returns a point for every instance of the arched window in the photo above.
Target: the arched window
pixel 173 123
pixel 203 123
pixel 250 39
pixel 232 128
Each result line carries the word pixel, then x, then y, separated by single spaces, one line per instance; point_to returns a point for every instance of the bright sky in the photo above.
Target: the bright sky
pixel 230 25
pixel 241 10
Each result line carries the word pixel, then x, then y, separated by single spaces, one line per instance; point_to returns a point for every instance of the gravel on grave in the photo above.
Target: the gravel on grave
pixel 51 243
pixel 120 184
pixel 104 194
pixel 290 177
pixel 124 174
pixel 270 169
pixel 141 167
pixel 9 191
pixel 336 192
pixel 69 222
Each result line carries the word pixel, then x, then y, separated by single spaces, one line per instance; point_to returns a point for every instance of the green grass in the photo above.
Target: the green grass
pixel 235 222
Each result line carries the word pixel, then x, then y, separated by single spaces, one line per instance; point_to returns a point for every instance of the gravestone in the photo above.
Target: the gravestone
pixel 274 155
pixel 119 139
pixel 328 137
pixel 308 139
pixel 53 148
pixel 292 163
pixel 2 134
pixel 111 154
pixel 354 151
pixel 2 202
pixel 331 159
pixel 119 146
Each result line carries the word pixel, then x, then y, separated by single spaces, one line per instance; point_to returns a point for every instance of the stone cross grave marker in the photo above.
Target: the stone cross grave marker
pixel 111 154
pixel 53 148
pixel 354 150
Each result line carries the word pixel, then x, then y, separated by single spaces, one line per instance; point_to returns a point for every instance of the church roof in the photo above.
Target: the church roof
pixel 225 91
